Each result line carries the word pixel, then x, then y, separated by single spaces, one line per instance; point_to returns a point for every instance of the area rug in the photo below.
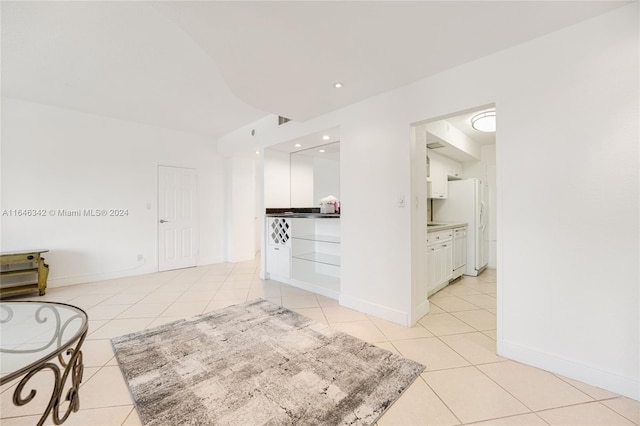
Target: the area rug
pixel 258 364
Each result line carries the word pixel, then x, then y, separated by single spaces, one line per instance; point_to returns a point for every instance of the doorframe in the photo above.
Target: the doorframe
pixel 418 228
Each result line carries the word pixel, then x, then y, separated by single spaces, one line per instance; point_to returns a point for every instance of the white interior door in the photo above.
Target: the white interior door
pixel 177 227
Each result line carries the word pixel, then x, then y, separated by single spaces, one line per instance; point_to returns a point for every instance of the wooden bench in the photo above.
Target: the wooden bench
pixel 22 271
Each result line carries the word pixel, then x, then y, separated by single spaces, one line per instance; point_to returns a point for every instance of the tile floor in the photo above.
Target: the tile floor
pixel 465 382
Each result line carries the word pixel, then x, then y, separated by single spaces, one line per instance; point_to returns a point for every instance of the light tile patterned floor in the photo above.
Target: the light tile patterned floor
pixel 465 381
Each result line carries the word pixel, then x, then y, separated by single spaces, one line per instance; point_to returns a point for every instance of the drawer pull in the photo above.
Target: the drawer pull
pixel 30 257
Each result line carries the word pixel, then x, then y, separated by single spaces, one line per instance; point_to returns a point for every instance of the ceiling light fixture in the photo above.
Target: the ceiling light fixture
pixel 484 122
pixel 325 138
pixel 322 150
pixel 337 85
pixel 297 145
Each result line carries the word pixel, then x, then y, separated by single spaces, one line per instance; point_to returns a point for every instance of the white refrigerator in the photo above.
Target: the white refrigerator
pixel 467 202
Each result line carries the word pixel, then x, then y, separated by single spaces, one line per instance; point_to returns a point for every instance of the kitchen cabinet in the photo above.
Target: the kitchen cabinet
pixel 432 270
pixel 446 262
pixel 441 171
pixel 454 171
pixel 438 177
pixel 439 260
pixel 278 261
pixel 459 251
pixel 278 247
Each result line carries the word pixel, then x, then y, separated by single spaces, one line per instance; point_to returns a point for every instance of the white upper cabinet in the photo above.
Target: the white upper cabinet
pixel 438 177
pixel 454 170
pixel 442 169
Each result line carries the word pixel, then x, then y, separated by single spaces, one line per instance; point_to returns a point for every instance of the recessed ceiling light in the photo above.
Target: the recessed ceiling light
pixel 484 122
pixel 337 85
pixel 326 138
pixel 322 150
pixel 297 145
pixel 257 152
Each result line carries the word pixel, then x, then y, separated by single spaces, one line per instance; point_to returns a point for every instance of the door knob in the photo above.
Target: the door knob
pixel 163 221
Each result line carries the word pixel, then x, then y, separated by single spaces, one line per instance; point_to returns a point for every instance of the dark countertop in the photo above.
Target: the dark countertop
pixel 305 215
pixel 300 213
pixel 441 226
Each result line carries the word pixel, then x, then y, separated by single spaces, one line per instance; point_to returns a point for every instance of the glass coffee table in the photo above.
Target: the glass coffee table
pixel 43 337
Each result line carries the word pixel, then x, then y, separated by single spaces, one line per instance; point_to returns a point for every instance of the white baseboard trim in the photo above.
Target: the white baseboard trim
pixel 103 276
pixel 374 309
pixel 90 278
pixel 574 370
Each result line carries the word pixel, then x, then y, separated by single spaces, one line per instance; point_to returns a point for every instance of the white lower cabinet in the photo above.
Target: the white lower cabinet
pixel 278 247
pixel 446 257
pixel 439 260
pixel 459 251
pixel 447 262
pixel 279 261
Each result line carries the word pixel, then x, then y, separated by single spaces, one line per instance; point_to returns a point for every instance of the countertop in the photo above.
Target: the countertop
pixel 305 215
pixel 441 226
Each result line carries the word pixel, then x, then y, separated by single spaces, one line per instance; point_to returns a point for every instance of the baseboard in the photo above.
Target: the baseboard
pixel 90 278
pixel 135 271
pixel 374 309
pixel 573 370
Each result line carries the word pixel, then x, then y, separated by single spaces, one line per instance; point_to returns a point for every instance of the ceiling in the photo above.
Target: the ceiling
pixel 463 123
pixel 309 141
pixel 209 67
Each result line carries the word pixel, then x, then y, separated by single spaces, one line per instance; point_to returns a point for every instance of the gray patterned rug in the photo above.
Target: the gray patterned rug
pixel 258 364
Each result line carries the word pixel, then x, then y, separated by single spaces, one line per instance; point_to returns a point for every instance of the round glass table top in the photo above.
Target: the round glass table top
pixel 33 332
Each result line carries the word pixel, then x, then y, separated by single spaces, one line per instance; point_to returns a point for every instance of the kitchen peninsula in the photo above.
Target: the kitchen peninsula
pixel 303 249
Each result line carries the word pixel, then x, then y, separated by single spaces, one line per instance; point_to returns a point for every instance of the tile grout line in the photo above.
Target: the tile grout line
pixel 506 360
pixel 475 365
pixel 593 399
pixel 441 400
pixel 599 402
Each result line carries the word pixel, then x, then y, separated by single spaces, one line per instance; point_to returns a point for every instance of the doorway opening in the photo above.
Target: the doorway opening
pixel 450 156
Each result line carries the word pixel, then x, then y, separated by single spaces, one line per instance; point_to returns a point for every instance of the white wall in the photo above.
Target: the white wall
pixel 54 158
pixel 241 197
pixel 567 156
pixel 568 134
